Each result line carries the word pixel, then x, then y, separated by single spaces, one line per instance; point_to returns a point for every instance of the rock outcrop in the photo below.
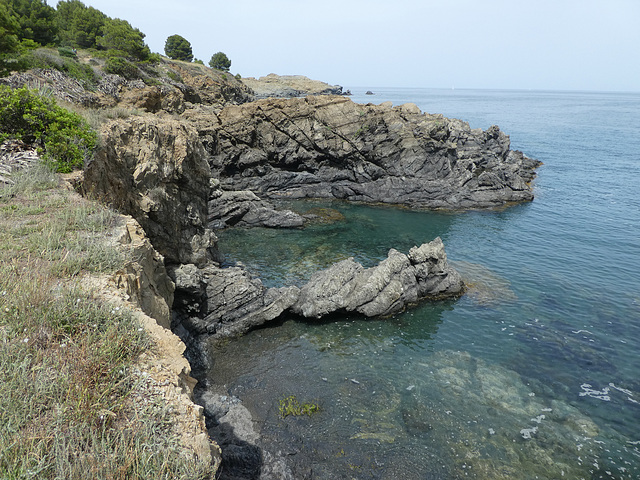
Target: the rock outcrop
pixel 231 302
pixel 396 282
pixel 288 86
pixel 328 146
pixel 155 170
pixel 229 208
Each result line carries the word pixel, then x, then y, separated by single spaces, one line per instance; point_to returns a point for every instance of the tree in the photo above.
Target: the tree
pixel 124 40
pixel 9 28
pixel 178 48
pixel 79 25
pixel 220 61
pixel 37 20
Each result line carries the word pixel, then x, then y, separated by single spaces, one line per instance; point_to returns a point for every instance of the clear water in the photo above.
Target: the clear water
pixel 534 374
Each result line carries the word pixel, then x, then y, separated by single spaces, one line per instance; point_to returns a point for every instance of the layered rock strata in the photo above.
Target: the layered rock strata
pixel 231 302
pixel 330 147
pixel 243 208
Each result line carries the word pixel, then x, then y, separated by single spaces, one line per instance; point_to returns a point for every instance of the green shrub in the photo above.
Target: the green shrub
pixel 67 52
pixel 64 138
pixel 174 76
pixel 48 58
pixel 121 66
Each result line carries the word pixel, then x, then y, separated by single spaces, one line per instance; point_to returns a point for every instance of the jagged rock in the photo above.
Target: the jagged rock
pixel 210 86
pixel 397 281
pixel 236 302
pixel 330 147
pixel 245 209
pixel 154 169
pixel 288 86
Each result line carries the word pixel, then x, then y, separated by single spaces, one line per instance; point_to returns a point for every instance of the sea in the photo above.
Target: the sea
pixel 533 374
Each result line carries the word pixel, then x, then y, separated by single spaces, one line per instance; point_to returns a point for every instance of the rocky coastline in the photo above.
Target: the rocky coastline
pixel 202 154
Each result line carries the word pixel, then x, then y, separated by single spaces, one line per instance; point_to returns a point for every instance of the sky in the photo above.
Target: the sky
pixel 495 44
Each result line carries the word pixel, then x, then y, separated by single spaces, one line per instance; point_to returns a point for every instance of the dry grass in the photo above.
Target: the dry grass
pixel 71 399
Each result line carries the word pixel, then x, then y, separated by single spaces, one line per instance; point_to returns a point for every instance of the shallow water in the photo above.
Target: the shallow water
pixel 533 374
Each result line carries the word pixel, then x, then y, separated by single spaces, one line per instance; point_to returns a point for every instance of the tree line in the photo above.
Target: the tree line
pixel 26 25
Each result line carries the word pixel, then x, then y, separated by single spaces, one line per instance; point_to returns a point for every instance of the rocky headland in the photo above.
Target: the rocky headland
pixel 331 147
pixel 198 153
pixel 288 86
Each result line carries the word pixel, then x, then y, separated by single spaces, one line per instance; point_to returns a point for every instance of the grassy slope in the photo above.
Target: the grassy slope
pixel 72 402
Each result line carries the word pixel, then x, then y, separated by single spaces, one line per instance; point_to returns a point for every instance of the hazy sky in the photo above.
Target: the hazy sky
pixel 534 44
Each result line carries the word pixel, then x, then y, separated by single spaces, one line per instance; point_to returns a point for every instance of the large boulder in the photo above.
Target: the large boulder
pixel 154 169
pixel 331 147
pixel 389 287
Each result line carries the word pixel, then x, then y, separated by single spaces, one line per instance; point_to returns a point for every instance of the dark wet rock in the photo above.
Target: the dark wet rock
pixel 226 302
pixel 245 209
pixel 396 282
pixel 330 147
pixel 235 302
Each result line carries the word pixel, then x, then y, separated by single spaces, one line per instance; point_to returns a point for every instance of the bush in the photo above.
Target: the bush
pixel 121 66
pixel 64 138
pixel 67 52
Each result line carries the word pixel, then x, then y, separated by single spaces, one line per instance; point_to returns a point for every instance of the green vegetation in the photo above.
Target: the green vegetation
pixel 178 48
pixel 220 61
pixel 291 406
pixel 121 66
pixel 26 26
pixel 78 25
pixel 64 137
pixel 72 402
pixel 120 39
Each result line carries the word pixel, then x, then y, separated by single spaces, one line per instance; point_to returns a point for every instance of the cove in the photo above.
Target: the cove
pixel 533 373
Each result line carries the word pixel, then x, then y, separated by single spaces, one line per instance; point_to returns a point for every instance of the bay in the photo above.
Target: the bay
pixel 535 373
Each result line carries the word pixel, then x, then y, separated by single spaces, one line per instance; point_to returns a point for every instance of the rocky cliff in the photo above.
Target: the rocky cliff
pixel 331 147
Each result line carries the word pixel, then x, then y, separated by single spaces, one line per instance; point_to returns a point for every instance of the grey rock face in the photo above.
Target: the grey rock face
pixel 232 302
pixel 328 146
pixel 397 281
pixel 245 209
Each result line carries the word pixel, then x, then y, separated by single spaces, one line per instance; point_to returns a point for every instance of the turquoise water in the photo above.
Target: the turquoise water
pixel 535 373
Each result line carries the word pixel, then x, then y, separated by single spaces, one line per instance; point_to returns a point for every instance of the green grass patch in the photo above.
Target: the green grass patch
pixel 72 402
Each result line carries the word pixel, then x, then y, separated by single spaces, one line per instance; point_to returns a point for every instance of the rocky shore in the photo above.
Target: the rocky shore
pixel 199 155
